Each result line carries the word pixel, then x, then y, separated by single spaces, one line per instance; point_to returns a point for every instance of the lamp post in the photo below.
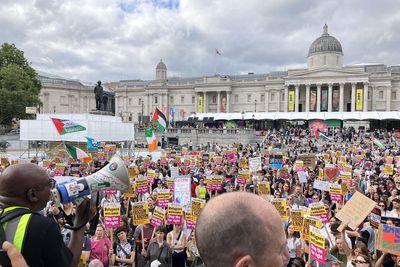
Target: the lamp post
pixel 255 105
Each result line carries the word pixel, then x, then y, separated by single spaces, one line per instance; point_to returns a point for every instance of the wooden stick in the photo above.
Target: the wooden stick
pixel 142 236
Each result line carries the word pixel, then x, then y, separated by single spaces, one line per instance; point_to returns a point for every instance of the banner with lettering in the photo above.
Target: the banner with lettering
pixel 163 198
pixel 317 245
pixel 142 186
pixel 158 217
pixel 175 214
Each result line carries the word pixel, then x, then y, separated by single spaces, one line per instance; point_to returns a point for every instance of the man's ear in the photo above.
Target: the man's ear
pixel 245 261
pixel 31 195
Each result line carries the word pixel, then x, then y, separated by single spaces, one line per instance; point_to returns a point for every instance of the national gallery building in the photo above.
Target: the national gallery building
pixel 325 86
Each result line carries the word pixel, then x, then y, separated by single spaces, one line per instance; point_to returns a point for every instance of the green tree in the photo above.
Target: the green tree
pixel 19 85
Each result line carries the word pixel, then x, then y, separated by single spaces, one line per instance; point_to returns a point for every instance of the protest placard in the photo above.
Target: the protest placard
pixel 321 185
pixel 140 213
pixel 388 239
pixel 317 245
pixel 335 191
pixel 59 170
pixel 255 164
pixel 308 160
pixel 243 162
pixel 170 184
pixel 174 171
pixel 297 217
pixel 264 189
pixel 158 217
pixel 320 211
pixel 298 165
pixel 197 205
pixel 112 215
pixel 142 186
pixel 151 176
pixel 163 198
pixel 182 191
pixel 175 214
pixel 307 222
pixel 388 169
pixel 190 221
pixel 217 181
pixel 133 172
pixel 355 210
pixel 302 177
pixel 281 207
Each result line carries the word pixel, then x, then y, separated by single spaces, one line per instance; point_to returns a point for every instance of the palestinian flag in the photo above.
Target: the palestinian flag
pixel 320 136
pixel 77 153
pixel 159 120
pixel 66 126
pixel 151 140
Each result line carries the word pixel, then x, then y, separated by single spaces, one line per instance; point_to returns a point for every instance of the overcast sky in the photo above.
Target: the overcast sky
pixel 113 40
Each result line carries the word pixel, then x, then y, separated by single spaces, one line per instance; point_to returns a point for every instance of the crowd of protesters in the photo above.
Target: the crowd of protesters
pixel 174 245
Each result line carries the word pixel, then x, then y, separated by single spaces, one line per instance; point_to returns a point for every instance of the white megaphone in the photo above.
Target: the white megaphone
pixel 112 176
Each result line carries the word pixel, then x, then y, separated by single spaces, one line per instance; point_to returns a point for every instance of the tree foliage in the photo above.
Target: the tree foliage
pixel 19 85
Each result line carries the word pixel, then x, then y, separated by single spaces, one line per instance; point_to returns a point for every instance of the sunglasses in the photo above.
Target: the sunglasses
pixel 358 261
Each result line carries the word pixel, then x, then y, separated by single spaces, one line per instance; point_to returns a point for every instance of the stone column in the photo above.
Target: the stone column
pixel 218 101
pixel 285 100
pixel 205 102
pixel 388 96
pixel 147 106
pixel 341 97
pixel 228 102
pixel 307 98
pixel 374 97
pixel 297 97
pixel 353 97
pixel 266 99
pixel 319 97
pixel 330 97
pixel 365 97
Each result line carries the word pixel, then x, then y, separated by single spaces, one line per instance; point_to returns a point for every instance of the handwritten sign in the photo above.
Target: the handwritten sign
pixel 140 213
pixel 255 164
pixel 356 210
pixel 388 239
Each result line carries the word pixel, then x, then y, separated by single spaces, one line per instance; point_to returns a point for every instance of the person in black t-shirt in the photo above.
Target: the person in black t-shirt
pixel 27 186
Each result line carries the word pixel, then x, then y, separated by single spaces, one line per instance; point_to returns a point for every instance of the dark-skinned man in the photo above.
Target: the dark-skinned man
pixel 38 238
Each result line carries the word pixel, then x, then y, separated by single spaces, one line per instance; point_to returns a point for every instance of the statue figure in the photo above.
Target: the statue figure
pixel 98 92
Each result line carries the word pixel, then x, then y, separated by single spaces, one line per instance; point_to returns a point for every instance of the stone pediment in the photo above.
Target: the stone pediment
pixel 326 73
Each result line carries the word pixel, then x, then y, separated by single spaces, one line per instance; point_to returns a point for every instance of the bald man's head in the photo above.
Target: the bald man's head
pixel 17 181
pixel 234 225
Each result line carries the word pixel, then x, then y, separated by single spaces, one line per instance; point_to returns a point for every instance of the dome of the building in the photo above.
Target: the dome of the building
pixel 161 65
pixel 325 44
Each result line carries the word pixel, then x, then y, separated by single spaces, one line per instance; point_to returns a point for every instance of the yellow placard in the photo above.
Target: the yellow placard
pixel 197 205
pixel 345 176
pixel 310 221
pixel 200 104
pixel 291 102
pixel 280 205
pixel 335 189
pixel 317 239
pixel 159 213
pixel 140 213
pixel 175 209
pixel 388 169
pixel 359 99
pixel 264 189
pixel 297 217
pixel 112 210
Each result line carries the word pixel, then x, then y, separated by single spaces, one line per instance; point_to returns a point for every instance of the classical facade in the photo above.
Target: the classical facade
pixel 324 86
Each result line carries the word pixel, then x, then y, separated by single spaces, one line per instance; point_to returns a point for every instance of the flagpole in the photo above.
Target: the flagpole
pixel 215 62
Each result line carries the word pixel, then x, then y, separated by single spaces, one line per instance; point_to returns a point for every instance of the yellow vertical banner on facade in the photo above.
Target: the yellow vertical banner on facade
pixel 359 99
pixel 200 104
pixel 291 100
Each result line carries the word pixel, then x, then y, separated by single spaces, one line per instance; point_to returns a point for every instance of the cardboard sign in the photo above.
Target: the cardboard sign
pixel 356 210
pixel 112 215
pixel 388 239
pixel 263 189
pixel 158 217
pixel 280 206
pixel 317 245
pixel 175 214
pixel 163 198
pixel 140 213
pixel 297 218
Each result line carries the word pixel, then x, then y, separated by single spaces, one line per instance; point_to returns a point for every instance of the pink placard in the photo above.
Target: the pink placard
pixel 142 189
pixel 317 253
pixel 112 221
pixel 190 224
pixel 156 222
pixel 174 219
pixel 162 203
pixel 336 198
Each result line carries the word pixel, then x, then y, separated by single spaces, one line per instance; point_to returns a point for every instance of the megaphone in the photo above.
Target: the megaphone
pixel 112 176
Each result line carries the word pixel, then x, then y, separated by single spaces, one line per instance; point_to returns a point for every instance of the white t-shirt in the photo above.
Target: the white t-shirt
pixel 292 244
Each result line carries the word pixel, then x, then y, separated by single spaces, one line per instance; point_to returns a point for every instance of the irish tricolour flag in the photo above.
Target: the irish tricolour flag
pixel 77 153
pixel 151 140
pixel 159 120
pixel 67 126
